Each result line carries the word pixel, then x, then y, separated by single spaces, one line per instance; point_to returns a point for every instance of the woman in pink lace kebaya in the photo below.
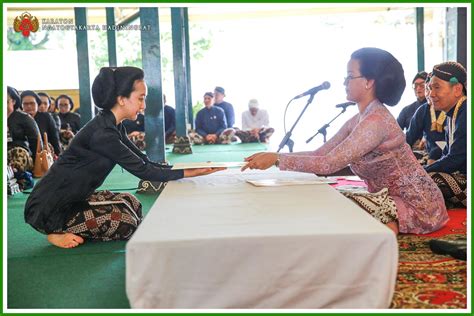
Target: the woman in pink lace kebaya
pixel 400 192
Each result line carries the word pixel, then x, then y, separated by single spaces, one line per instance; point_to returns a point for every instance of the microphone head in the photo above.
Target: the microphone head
pixel 345 104
pixel 325 85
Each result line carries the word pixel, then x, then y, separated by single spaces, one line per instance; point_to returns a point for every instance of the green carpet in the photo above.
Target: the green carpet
pixel 92 275
pixel 233 152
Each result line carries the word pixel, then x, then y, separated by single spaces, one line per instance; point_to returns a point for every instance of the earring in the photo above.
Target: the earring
pixel 366 87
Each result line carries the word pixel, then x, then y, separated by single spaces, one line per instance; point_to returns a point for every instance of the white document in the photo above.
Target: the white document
pixel 352 188
pixel 346 178
pixel 207 164
pixel 286 182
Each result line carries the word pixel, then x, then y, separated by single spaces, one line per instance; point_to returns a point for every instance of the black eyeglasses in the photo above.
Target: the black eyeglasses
pixel 350 77
pixel 418 85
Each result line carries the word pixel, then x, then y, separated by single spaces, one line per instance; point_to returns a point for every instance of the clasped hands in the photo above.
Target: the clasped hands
pixel 67 133
pixel 211 138
pixel 255 132
pixel 260 161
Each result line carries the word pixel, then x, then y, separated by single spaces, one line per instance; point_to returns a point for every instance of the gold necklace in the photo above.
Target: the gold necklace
pixel 451 124
pixel 437 124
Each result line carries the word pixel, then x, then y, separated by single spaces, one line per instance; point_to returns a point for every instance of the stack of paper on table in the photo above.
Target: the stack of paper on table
pixel 346 178
pixel 207 164
pixel 352 188
pixel 286 182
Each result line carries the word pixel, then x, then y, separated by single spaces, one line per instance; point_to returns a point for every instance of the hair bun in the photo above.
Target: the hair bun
pixel 386 70
pixel 391 83
pixel 103 89
pixel 13 93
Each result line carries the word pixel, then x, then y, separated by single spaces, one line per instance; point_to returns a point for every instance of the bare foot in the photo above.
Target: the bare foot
pixel 66 240
pixel 393 226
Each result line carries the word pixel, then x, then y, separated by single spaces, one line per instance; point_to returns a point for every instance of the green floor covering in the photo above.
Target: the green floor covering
pixel 92 275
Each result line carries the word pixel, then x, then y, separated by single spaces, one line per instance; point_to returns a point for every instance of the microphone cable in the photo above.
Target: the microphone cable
pixel 284 116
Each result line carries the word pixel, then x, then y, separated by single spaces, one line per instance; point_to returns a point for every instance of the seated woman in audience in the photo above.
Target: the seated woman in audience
pixel 70 121
pixel 45 106
pixel 22 134
pixel 65 204
pixel 427 124
pixel 52 107
pixel 400 192
pixel 30 102
pixel 448 92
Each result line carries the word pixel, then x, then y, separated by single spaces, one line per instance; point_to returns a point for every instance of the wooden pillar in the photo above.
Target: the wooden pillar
pixel 151 59
pixel 86 109
pixel 111 40
pixel 420 38
pixel 188 69
pixel 182 144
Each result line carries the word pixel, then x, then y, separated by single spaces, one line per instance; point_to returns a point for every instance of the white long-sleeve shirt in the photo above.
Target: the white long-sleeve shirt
pixel 259 120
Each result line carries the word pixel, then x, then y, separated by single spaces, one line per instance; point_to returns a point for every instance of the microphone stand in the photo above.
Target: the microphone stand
pixel 322 130
pixel 287 139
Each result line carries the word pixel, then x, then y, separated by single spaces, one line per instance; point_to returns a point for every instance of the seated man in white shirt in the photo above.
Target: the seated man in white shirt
pixel 254 125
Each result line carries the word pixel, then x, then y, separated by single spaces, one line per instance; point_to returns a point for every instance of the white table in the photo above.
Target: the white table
pixel 219 242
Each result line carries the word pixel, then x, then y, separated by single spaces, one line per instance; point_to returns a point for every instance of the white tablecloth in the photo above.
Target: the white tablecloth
pixel 219 242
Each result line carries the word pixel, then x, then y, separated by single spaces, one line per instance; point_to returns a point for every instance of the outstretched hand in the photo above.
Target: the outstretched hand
pixel 260 161
pixel 201 171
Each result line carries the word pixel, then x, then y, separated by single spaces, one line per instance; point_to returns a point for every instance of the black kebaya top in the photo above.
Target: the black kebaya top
pixel 83 167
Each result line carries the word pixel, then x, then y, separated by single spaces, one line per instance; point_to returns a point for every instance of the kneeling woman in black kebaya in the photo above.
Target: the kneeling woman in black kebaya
pixel 65 204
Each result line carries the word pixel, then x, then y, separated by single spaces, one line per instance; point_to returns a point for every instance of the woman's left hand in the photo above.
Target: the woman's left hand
pixel 260 161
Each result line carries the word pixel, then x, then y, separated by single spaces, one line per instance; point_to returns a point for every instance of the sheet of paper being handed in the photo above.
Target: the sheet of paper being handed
pixel 201 171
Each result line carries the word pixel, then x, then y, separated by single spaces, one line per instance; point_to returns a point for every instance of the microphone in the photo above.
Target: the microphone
pixel 324 86
pixel 322 130
pixel 345 105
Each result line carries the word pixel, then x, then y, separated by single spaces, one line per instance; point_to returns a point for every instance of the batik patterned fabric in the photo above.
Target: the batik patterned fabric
pixel 171 138
pixel 111 216
pixel 247 137
pixel 139 140
pixel 19 159
pixel 422 156
pixel 65 137
pixel 226 137
pixel 379 204
pixel 454 188
pixel 373 144
pixel 195 138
